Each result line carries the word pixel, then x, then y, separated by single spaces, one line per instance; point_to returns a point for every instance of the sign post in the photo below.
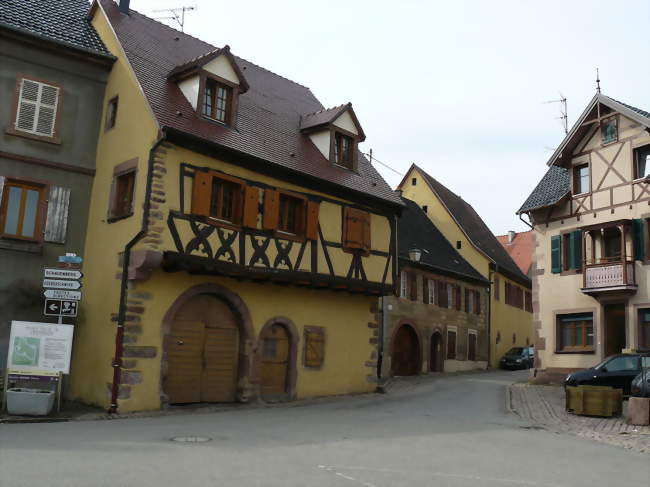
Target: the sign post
pixel 62 287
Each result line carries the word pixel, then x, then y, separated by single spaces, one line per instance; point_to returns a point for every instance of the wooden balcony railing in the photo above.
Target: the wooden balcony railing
pixel 609 274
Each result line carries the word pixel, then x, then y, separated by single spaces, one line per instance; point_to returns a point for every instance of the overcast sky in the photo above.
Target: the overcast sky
pixel 456 87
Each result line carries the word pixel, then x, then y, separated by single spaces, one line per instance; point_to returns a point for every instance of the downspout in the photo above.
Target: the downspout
pixel 489 315
pixel 126 260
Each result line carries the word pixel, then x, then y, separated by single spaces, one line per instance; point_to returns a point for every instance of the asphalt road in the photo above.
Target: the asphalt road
pixel 452 431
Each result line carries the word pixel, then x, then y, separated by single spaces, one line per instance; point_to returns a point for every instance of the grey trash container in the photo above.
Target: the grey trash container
pixel 29 402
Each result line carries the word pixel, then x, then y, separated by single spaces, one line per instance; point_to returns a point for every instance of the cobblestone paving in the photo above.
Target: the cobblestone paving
pixel 543 406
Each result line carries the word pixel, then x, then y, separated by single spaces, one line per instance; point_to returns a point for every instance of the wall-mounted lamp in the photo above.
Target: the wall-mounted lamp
pixel 415 254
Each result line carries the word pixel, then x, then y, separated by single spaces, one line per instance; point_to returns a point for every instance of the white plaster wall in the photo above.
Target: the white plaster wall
pixel 345 122
pixel 322 141
pixel 190 88
pixel 220 66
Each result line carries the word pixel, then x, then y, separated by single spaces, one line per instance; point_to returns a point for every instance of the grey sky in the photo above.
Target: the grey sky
pixel 455 86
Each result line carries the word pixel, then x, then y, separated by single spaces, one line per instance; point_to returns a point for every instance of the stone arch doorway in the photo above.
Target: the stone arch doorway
pixel 206 347
pixel 436 353
pixel 277 355
pixel 405 355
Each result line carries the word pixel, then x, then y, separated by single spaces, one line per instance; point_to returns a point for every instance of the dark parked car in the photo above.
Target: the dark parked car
pixel 641 383
pixel 518 358
pixel 616 371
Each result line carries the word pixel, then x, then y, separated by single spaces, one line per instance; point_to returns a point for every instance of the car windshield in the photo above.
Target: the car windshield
pixel 515 351
pixel 616 364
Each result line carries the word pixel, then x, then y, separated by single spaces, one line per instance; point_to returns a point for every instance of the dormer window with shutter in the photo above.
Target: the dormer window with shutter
pixel 336 133
pixel 37 107
pixel 212 84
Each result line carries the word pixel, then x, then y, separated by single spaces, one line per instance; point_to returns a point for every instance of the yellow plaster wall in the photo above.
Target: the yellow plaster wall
pixel 133 135
pixel 344 316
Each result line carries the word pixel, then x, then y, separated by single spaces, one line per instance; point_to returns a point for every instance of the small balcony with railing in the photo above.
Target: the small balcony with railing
pixel 608 265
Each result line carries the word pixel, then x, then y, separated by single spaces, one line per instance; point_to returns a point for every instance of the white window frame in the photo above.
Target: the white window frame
pixel 38 105
pixel 431 289
pixel 404 285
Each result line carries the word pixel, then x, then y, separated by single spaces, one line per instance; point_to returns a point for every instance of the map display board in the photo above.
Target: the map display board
pixel 39 347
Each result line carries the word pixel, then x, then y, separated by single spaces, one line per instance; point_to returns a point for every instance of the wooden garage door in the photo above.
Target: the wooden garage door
pixel 202 353
pixel 405 358
pixel 275 361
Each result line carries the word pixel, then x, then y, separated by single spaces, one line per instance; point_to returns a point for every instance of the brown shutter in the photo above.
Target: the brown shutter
pixel 467 298
pixel 366 231
pixel 425 290
pixel 477 306
pixel 442 294
pixel 311 230
pixel 314 348
pixel 457 297
pixel 271 209
pixel 451 344
pixel 414 286
pixel 251 206
pixel 201 190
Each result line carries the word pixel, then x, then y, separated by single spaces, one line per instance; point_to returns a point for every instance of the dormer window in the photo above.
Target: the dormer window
pixel 217 101
pixel 343 150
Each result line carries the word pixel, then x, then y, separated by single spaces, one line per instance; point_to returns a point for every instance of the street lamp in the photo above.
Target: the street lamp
pixel 415 254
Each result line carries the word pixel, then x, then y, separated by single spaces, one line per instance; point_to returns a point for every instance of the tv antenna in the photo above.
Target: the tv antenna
pixel 563 112
pixel 176 14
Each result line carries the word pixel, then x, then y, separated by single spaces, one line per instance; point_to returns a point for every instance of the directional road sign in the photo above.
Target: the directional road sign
pixel 52 273
pixel 61 284
pixel 58 307
pixel 62 294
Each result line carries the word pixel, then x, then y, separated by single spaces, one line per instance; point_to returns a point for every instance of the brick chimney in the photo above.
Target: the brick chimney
pixel 511 236
pixel 124 6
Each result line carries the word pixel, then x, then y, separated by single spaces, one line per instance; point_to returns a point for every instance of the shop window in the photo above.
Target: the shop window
pixel 356 231
pixel 575 332
pixel 314 356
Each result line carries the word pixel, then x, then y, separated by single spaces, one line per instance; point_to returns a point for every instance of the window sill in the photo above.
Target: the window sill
pixel 42 138
pixel 113 219
pixel 29 247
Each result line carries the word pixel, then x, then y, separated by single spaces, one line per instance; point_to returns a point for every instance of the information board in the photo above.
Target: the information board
pixel 39 347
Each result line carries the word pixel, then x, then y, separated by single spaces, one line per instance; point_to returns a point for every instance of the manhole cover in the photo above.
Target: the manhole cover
pixel 191 439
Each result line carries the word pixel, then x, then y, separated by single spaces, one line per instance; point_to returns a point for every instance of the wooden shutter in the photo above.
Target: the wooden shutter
pixel 457 298
pixel 251 206
pixel 366 231
pixel 575 250
pixel 639 243
pixel 442 294
pixel 314 348
pixel 201 191
pixel 37 106
pixel 354 228
pixel 311 228
pixel 497 285
pixel 425 290
pixel 556 255
pixel 413 278
pixel 451 344
pixel 57 215
pixel 477 306
pixel 271 216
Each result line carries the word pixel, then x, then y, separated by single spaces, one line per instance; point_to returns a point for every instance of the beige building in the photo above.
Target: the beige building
pixel 590 213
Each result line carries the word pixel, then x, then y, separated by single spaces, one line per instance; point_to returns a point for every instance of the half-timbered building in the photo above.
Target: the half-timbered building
pixel 590 215
pixel 238 239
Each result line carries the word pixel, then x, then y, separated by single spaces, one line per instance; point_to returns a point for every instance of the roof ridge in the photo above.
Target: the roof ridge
pixel 323 110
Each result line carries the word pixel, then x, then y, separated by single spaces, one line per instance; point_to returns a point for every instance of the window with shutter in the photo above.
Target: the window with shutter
pixel 21 210
pixel 469 305
pixel 314 348
pixel 413 286
pixel 356 230
pixel 404 284
pixel 36 108
pixel 575 250
pixel 219 198
pixel 457 301
pixel 477 304
pixel 425 290
pixel 556 255
pixel 443 296
pixel 451 344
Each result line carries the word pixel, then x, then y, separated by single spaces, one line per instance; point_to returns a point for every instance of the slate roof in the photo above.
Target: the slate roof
pixel 475 229
pixel 634 109
pixel 520 249
pixel 268 117
pixel 60 21
pixel 554 186
pixel 415 229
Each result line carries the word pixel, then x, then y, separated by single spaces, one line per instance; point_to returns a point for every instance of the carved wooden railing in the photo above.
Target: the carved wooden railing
pixel 612 274
pixel 261 255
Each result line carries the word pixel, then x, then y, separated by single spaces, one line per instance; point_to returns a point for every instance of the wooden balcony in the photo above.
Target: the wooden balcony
pixel 609 278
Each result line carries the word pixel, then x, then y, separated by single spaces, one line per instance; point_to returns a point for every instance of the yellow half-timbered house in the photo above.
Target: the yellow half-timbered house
pixel 237 239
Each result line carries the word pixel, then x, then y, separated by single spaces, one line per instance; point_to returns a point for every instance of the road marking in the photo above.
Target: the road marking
pixel 347 477
pixel 335 468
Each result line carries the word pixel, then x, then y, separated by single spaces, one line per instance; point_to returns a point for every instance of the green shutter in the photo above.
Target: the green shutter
pixel 556 257
pixel 639 244
pixel 575 250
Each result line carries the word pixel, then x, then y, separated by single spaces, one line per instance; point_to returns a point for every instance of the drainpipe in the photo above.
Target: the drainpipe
pixel 380 341
pixel 126 260
pixel 489 315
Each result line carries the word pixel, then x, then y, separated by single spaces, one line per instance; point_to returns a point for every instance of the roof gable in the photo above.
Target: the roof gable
pixel 473 226
pixel 268 116
pixel 220 62
pixel 342 116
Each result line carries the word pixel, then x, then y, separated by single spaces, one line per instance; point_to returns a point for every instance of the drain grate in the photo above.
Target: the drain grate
pixel 191 439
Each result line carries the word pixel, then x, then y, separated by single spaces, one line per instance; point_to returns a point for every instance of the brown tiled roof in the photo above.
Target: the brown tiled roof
pixel 475 228
pixel 269 113
pixel 520 249
pixel 322 117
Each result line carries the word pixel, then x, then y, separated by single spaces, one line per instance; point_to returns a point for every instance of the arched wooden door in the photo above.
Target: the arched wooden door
pixel 435 363
pixel 202 352
pixel 275 345
pixel 405 358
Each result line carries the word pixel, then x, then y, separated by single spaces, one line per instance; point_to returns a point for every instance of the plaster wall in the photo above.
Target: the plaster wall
pixel 222 67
